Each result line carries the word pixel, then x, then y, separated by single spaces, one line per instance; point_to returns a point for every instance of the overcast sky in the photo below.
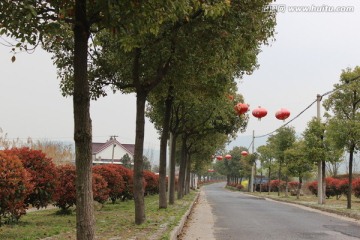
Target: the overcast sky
pixel 310 50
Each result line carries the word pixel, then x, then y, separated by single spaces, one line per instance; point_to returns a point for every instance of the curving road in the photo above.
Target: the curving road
pixel 223 214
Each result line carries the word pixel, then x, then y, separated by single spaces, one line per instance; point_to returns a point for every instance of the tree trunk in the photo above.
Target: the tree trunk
pixel 163 147
pixel 182 171
pixel 85 220
pixel 299 188
pixel 261 177
pixel 323 173
pixel 138 158
pixel 269 181
pixel 351 157
pixel 172 170
pixel 279 178
pixel 286 186
pixel 188 173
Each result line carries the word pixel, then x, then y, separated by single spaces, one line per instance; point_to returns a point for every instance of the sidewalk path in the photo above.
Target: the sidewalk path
pixel 200 223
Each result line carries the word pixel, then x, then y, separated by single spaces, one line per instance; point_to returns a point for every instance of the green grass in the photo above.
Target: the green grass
pixel 112 221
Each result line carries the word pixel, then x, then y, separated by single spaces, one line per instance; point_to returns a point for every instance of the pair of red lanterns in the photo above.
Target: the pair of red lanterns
pixel 228 156
pixel 242 108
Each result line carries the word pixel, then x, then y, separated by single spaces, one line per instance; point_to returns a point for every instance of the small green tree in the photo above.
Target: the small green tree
pixel 344 126
pixel 266 156
pixel 126 161
pixel 298 164
pixel 280 142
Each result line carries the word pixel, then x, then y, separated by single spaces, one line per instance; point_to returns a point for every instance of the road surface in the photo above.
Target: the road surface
pixel 223 214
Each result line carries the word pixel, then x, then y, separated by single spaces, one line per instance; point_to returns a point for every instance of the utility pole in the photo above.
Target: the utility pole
pixel 113 138
pixel 253 169
pixel 320 188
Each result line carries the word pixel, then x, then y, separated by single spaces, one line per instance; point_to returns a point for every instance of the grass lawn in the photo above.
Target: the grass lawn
pixel 113 221
pixel 331 204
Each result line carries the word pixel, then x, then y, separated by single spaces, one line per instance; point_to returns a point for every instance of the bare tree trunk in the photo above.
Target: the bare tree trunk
pixel 351 157
pixel 299 188
pixel 261 177
pixel 182 171
pixel 286 186
pixel 323 166
pixel 269 181
pixel 172 170
pixel 138 159
pixel 163 147
pixel 85 220
pixel 279 178
pixel 188 173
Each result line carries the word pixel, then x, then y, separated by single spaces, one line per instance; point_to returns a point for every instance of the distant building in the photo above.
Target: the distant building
pixel 111 152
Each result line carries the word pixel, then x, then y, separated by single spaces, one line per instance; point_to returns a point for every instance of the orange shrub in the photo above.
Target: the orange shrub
pixel 15 186
pixel 43 175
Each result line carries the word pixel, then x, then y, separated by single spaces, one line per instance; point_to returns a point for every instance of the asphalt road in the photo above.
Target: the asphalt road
pixel 240 216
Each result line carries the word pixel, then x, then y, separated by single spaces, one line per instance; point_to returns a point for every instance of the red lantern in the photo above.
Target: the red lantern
pixel 259 112
pixel 219 157
pixel 244 153
pixel 282 114
pixel 241 108
pixel 228 156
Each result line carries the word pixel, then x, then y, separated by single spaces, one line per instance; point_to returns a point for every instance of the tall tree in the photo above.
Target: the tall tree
pixel 344 127
pixel 281 141
pixel 266 156
pixel 298 163
pixel 45 19
pixel 314 141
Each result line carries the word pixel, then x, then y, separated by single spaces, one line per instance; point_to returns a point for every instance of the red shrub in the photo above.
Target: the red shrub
pixel 43 175
pixel 343 186
pixel 65 194
pixel 15 186
pixel 333 187
pixel 276 184
pixel 128 177
pixel 356 187
pixel 239 187
pixel 114 180
pixel 100 189
pixel 152 183
pixel 312 186
pixel 293 185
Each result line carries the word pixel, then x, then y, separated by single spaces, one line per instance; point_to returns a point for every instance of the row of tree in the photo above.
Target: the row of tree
pixel 286 155
pixel 182 57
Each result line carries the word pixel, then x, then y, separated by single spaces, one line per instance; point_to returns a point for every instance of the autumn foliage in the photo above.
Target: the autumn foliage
pixel 100 189
pixel 276 184
pixel 151 183
pixel 334 187
pixel 128 177
pixel 65 194
pixel 15 185
pixel 43 175
pixel 115 181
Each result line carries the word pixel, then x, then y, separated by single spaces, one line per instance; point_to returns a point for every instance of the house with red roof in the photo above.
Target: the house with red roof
pixel 112 151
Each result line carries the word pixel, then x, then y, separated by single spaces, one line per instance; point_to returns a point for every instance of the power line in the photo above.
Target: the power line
pixel 326 93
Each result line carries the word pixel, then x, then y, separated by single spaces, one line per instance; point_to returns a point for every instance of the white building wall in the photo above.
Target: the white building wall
pixel 119 152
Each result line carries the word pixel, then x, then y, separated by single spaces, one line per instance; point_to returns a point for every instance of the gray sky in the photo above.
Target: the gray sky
pixel 306 58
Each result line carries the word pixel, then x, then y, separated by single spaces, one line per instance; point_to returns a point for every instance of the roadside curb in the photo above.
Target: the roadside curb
pixel 352 216
pixel 177 230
